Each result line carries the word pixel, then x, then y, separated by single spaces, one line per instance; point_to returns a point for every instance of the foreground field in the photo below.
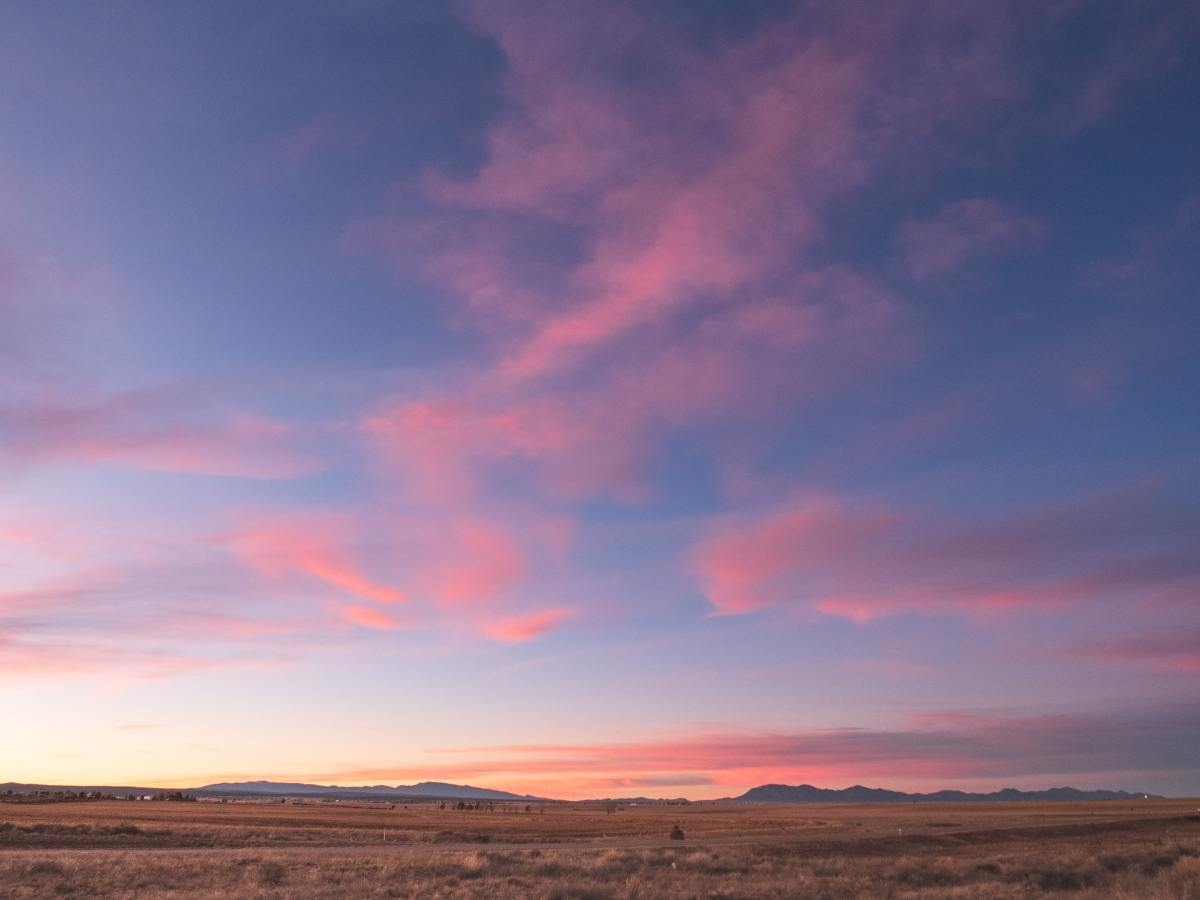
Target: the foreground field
pixel 1147 849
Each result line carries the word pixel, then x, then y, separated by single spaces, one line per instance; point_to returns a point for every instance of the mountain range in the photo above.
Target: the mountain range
pixel 426 790
pixel 437 790
pixel 806 793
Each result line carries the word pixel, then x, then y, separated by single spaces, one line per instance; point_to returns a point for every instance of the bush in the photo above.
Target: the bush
pixel 677 833
pixel 272 873
pixel 1060 878
pixel 580 893
pixel 44 867
pixel 459 837
pixel 924 874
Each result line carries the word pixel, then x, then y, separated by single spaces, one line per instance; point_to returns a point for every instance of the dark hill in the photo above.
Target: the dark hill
pixel 426 790
pixel 806 793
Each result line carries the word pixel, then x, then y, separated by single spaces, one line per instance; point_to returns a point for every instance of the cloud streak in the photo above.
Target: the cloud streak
pixel 932 751
pixel 864 564
pixel 150 430
pixel 316 548
pixel 1174 651
pixel 963 232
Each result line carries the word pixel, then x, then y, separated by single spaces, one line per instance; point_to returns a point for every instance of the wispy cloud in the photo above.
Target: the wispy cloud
pixel 931 751
pixel 963 232
pixel 1177 650
pixel 861 563
pixel 315 547
pixel 527 627
pixel 150 430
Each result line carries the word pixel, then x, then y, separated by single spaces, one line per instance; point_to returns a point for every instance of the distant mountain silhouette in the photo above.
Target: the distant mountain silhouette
pixel 806 793
pixel 426 790
pixel 437 790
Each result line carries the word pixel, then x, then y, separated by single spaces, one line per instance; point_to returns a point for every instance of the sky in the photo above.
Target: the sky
pixel 601 399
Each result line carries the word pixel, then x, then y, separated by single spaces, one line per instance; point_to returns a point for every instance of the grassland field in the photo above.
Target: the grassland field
pixel 1144 849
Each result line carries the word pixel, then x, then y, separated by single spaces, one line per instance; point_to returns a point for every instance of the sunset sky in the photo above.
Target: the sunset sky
pixel 601 399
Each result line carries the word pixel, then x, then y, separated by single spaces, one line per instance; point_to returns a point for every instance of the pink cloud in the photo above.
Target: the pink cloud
pixel 83 624
pixel 527 627
pixel 369 617
pixel 323 135
pixel 137 608
pixel 138 616
pixel 961 601
pixel 572 446
pixel 25 659
pixel 1174 651
pixel 461 572
pixel 965 231
pixel 741 567
pixel 29 659
pixel 864 564
pixel 932 751
pixel 477 571
pixel 684 214
pixel 315 547
pixel 671 227
pixel 639 263
pixel 245 447
pixel 483 562
pixel 45 536
pixel 600 436
pixel 642 264
pixel 149 430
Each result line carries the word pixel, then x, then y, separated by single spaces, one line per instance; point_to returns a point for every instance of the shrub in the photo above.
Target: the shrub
pixel 45 867
pixel 459 837
pixel 1060 878
pixel 676 833
pixel 272 873
pixel 580 893
pixel 925 874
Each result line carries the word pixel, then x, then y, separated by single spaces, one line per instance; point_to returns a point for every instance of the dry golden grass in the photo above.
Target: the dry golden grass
pixel 205 850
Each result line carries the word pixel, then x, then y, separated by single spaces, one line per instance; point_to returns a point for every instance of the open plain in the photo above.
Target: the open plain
pixel 272 849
